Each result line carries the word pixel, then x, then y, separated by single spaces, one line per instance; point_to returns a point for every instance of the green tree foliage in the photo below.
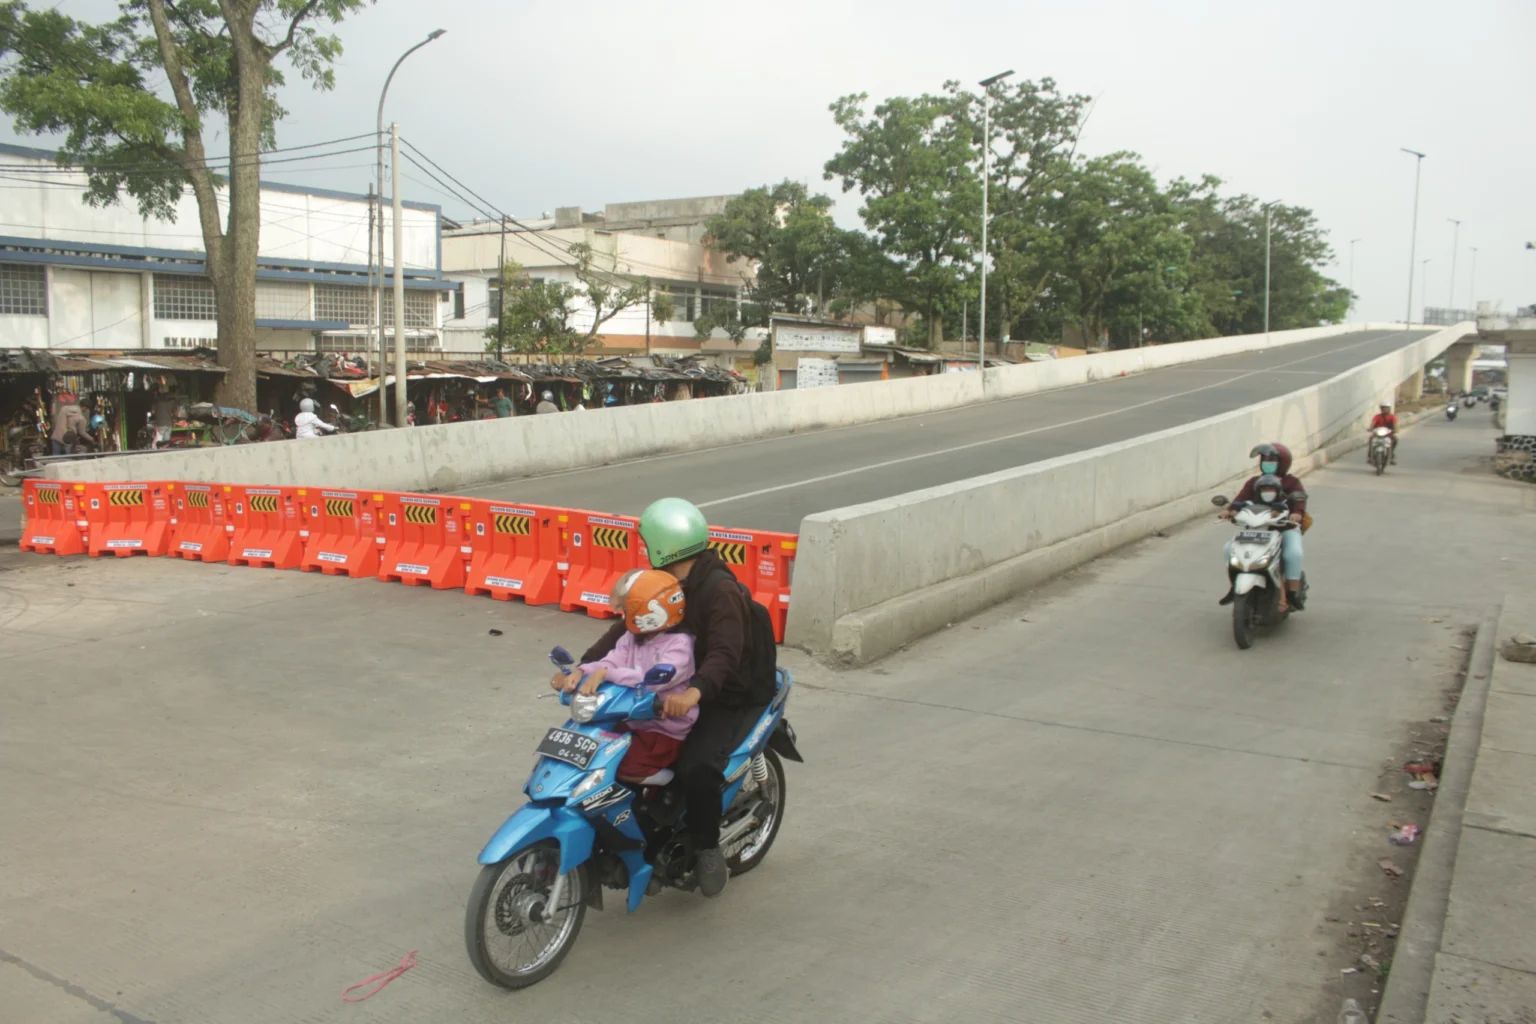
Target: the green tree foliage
pixel 606 293
pixel 535 316
pixel 136 100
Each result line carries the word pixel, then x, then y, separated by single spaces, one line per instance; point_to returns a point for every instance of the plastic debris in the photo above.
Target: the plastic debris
pixel 1383 797
pixel 495 632
pixel 1352 1014
pixel 1404 835
pixel 1388 865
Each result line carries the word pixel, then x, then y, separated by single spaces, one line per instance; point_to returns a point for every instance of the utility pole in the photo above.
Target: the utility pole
pixel 1455 244
pixel 647 318
pixel 1266 265
pixel 501 293
pixel 1413 237
pixel 394 188
pixel 1352 242
pixel 373 294
pixel 986 175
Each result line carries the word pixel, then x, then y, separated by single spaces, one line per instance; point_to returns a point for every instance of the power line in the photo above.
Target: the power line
pixel 219 163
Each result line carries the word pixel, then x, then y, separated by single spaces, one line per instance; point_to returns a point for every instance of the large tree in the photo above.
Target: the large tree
pixel 98 87
pixel 788 236
pixel 913 161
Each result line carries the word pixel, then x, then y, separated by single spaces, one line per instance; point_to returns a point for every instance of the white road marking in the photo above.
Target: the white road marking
pixel 886 464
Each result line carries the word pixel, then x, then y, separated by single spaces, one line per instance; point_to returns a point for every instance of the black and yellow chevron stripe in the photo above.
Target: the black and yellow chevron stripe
pixel 421 515
pixel 609 537
pixel 730 552
pixel 125 499
pixel 519 525
pixel 339 507
pixel 48 495
pixel 197 499
pixel 263 502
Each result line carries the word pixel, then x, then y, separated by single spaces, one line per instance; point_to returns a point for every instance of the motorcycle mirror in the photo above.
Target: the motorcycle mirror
pixel 1219 500
pixel 562 659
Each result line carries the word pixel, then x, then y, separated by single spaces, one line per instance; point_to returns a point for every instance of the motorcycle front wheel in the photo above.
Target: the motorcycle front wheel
pixel 513 937
pixel 1245 609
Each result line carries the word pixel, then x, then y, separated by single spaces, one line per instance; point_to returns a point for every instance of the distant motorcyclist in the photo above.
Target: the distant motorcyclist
pixel 69 425
pixel 1385 418
pixel 1275 464
pixel 307 424
pixel 546 403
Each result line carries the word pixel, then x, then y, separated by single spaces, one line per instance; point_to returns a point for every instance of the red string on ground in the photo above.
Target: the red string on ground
pixel 378 981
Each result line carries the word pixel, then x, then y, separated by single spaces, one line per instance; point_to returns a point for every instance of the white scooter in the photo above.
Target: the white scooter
pixel 1450 411
pixel 1256 568
pixel 1380 452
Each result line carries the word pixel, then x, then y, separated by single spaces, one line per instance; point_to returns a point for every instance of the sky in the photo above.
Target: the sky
pixel 537 104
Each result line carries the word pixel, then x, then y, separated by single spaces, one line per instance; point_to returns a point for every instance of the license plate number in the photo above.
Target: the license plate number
pixel 1253 537
pixel 571 747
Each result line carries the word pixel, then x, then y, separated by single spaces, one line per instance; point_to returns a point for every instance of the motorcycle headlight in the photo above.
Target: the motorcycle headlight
pixel 1235 562
pixel 584 706
pixel 587 784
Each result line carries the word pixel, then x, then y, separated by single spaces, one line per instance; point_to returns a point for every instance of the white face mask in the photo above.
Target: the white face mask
pixel 1269 497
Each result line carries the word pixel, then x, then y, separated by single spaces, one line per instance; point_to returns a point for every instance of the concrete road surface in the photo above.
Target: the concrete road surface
pixel 774 483
pixel 228 793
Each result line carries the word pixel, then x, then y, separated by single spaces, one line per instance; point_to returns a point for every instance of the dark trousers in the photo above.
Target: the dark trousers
pixel 701 765
pixel 57 447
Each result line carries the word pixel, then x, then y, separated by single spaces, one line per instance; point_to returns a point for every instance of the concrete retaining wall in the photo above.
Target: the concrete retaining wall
pixel 872 577
pixel 455 455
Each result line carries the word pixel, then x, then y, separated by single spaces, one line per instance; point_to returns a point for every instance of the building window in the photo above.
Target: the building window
pixel 684 303
pixel 184 298
pixel 23 290
pixel 346 303
pixel 282 300
pixel 715 300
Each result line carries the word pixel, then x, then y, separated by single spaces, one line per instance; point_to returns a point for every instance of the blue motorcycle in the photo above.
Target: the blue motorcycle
pixel 584 829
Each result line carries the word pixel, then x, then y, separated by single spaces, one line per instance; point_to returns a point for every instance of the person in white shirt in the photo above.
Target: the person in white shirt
pixel 307 424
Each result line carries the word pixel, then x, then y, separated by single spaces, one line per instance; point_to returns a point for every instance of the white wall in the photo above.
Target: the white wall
pixel 94 309
pixel 295 226
pixel 1520 417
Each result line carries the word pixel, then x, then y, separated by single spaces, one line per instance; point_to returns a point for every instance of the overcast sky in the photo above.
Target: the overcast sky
pixel 542 104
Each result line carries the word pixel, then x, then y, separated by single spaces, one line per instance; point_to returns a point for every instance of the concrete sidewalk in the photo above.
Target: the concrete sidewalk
pixel 1485 967
pixel 228 793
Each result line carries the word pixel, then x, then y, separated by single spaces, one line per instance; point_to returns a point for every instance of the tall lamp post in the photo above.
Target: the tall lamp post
pixel 1352 242
pixel 378 291
pixel 1413 237
pixel 1455 243
pixel 1267 250
pixel 986 177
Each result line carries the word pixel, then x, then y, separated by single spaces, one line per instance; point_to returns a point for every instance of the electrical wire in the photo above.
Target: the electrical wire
pixel 216 164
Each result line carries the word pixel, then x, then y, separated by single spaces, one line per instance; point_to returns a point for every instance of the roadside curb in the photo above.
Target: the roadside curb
pixel 1406 996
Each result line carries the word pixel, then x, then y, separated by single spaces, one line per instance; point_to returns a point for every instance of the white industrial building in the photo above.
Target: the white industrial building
pixel 73 276
pixel 660 241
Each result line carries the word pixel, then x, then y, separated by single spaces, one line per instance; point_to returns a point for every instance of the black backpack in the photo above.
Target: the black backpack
pixel 759 661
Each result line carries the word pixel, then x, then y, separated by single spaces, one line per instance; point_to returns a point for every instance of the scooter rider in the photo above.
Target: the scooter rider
pixel 307 424
pixel 1275 470
pixel 1385 418
pixel 677 540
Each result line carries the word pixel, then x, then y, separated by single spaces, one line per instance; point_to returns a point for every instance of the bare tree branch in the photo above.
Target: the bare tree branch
pixel 299 18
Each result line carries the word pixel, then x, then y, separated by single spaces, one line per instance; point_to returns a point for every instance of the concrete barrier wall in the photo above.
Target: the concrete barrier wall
pixel 455 455
pixel 872 577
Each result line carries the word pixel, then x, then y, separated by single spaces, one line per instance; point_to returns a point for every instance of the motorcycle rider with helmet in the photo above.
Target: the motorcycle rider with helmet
pixel 1385 418
pixel 1275 472
pixel 307 424
pixel 676 540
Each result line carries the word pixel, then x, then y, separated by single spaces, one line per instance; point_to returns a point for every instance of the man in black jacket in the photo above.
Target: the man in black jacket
pixel 677 540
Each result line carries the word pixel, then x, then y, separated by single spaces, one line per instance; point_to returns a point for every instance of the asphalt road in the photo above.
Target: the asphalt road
pixel 228 793
pixel 773 483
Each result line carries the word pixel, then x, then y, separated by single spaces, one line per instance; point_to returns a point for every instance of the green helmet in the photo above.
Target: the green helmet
pixel 673 530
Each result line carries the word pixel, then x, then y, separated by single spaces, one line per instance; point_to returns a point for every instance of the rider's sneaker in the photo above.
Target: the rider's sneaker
pixel 712 872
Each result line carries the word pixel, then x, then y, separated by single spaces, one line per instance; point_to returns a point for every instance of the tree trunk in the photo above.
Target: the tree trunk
pixel 234 276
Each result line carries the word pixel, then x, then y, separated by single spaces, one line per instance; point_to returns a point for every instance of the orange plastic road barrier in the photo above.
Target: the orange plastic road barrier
pixel 602 548
pixel 199 528
pixel 424 541
pixel 517 551
pixel 264 525
pixel 127 519
pixel 56 524
pixel 764 562
pixel 340 532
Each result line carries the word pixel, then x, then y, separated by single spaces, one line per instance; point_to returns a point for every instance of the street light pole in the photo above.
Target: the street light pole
pixel 1267 250
pixel 378 288
pixel 986 176
pixel 401 398
pixel 1455 243
pixel 1472 285
pixel 1352 242
pixel 1413 237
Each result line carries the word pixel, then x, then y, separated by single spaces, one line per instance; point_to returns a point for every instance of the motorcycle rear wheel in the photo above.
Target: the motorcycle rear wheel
pixel 752 854
pixel 498 915
pixel 1244 610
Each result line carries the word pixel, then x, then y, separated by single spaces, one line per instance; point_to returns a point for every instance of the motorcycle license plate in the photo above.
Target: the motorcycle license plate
pixel 571 747
pixel 1253 537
